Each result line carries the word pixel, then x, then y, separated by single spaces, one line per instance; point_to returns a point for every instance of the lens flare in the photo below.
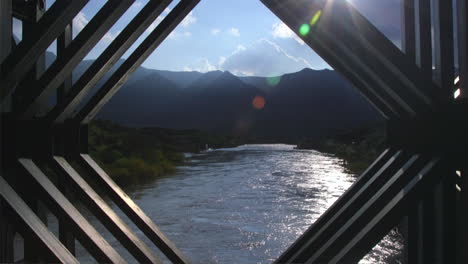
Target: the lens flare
pixel 304 29
pixel 273 81
pixel 258 102
pixel 316 18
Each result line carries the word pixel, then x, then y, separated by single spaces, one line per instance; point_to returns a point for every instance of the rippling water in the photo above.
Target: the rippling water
pixel 247 204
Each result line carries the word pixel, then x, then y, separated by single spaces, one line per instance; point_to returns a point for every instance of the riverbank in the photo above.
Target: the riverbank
pixel 134 156
pixel 357 148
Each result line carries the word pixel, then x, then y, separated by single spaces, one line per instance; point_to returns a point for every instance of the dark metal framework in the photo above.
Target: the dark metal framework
pixel 420 177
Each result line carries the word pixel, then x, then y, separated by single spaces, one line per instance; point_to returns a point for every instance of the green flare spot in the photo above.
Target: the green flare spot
pixel 273 81
pixel 304 29
pixel 316 18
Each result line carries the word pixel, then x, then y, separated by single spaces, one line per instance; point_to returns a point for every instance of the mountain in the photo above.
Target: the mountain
pixel 306 103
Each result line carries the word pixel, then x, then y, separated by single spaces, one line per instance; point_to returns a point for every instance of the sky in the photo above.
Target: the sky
pixel 241 36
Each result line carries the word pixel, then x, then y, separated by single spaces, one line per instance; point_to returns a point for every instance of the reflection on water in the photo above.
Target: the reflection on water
pixel 246 204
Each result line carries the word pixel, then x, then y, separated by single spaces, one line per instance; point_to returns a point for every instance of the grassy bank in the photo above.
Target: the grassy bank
pixel 137 155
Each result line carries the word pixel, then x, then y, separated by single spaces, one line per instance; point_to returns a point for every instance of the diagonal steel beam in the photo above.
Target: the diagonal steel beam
pixel 73 54
pixel 369 64
pixel 338 61
pixel 49 27
pixel 366 211
pixel 319 235
pixel 338 56
pixel 389 215
pixel 34 225
pixel 103 212
pixel 381 56
pixel 135 60
pixel 358 78
pixel 107 59
pixel 337 206
pixel 131 209
pixel 96 245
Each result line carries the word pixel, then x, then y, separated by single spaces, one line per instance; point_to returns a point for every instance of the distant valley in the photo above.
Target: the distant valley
pixel 308 103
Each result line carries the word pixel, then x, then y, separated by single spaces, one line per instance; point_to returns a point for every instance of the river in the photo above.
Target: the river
pixel 247 204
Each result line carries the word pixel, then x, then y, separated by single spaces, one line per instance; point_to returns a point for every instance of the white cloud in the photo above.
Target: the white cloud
pixel 79 23
pixel 234 31
pixel 178 35
pixel 262 58
pixel 215 31
pixel 137 4
pixel 280 30
pixel 189 20
pixel 203 65
pixel 221 61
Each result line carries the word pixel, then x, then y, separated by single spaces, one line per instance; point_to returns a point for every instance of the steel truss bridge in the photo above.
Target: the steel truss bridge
pixel 419 89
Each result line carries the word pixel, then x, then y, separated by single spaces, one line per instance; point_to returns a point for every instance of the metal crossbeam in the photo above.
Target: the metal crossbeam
pixel 337 205
pixel 91 239
pixel 318 234
pixel 131 209
pixel 107 59
pixel 387 217
pixel 74 54
pixel 365 212
pixel 34 225
pixel 145 49
pixel 103 212
pixel 49 27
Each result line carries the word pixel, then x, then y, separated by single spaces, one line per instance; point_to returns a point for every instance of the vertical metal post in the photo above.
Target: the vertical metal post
pixel 6 35
pixel 462 23
pixel 6 232
pixel 443 46
pixel 423 37
pixel 462 210
pixel 39 68
pixel 408 41
pixel 65 234
pixel 31 253
pixel 62 43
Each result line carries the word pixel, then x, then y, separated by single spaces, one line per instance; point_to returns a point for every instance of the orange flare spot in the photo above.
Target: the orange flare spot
pixel 258 102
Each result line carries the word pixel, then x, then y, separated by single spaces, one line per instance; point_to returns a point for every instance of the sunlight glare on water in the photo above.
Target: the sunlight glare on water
pixel 246 204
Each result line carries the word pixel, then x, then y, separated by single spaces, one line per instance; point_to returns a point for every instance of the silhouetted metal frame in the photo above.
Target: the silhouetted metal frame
pixel 323 231
pixel 103 212
pixel 91 239
pixel 107 59
pixel 378 51
pixel 22 59
pixel 34 226
pixel 144 50
pixel 390 214
pixel 366 212
pixel 79 47
pixel 338 205
pixel 390 79
pixel 462 24
pixel 131 209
